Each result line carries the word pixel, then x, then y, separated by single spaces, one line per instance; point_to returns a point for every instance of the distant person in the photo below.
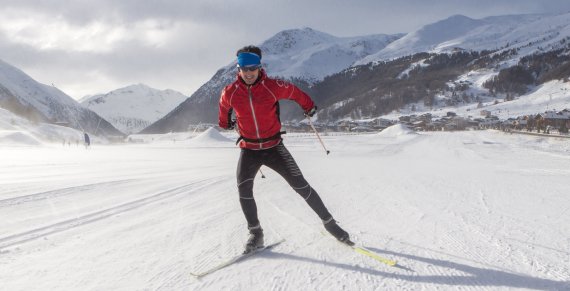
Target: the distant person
pixel 87 140
pixel 254 98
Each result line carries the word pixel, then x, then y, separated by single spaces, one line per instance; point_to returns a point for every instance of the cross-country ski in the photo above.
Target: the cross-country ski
pixel 234 260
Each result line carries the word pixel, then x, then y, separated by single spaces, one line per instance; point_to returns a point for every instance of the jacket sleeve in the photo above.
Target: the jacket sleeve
pixel 289 91
pixel 225 111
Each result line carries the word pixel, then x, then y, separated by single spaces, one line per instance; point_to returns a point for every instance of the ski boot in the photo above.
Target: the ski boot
pixel 339 233
pixel 255 240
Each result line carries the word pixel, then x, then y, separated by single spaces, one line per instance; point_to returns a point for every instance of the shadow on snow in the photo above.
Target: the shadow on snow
pixel 475 276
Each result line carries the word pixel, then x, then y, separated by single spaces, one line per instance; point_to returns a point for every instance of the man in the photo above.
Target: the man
pixel 87 140
pixel 254 98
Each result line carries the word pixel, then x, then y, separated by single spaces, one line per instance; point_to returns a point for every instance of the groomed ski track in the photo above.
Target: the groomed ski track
pixel 459 211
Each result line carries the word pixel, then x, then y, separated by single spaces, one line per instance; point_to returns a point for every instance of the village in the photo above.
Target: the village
pixel 549 122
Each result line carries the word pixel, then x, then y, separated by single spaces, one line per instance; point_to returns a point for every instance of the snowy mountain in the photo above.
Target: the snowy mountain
pixel 425 64
pixel 132 108
pixel 453 65
pixel 526 32
pixel 37 102
pixel 305 55
pixel 311 55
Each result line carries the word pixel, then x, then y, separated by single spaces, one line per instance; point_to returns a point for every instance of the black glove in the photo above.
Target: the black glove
pixel 231 125
pixel 311 112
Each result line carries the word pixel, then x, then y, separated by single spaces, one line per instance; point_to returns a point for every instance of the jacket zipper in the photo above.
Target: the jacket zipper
pixel 253 113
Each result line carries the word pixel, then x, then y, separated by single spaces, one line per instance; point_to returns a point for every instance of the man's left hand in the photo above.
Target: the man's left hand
pixel 311 112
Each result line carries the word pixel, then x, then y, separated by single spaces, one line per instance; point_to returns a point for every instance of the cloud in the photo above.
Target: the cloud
pixel 99 55
pixel 88 47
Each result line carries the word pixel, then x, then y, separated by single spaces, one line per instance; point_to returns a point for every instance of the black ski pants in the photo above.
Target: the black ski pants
pixel 280 160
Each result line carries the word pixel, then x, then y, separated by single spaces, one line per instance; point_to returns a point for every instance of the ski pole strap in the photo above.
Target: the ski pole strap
pixel 261 140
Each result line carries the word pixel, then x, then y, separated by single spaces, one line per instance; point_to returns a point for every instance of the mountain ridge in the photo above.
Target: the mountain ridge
pixel 459 31
pixel 38 102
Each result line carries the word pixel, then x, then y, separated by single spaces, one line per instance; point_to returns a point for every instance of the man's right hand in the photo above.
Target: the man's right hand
pixel 231 125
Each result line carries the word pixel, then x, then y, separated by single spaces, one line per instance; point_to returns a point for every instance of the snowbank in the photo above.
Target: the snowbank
pixel 210 137
pixel 396 130
pixel 17 138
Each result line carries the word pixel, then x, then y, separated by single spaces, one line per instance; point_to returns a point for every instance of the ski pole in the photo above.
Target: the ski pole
pixel 318 136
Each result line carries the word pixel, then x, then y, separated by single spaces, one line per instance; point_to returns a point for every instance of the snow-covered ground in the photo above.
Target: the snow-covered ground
pixel 550 96
pixel 478 210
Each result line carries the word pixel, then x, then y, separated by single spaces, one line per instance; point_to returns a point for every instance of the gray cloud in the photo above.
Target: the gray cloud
pixel 180 44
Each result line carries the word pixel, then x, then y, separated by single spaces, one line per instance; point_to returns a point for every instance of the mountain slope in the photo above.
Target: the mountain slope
pixel 26 97
pixel 132 108
pixel 16 130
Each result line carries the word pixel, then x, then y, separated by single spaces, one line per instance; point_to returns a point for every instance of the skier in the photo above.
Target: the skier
pixel 254 98
pixel 87 140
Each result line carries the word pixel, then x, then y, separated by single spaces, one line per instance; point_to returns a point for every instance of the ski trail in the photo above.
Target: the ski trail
pixel 216 252
pixel 227 239
pixel 59 192
pixel 36 233
pixel 286 219
pixel 484 203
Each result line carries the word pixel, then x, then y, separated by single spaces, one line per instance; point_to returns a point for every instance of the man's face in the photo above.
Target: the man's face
pixel 249 74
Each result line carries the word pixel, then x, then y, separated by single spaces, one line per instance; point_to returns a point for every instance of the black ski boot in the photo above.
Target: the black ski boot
pixel 255 240
pixel 339 233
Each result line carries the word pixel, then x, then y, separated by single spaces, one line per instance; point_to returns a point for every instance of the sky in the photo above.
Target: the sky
pixel 87 47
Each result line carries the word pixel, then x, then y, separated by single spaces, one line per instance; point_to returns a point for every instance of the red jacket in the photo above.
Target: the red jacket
pixel 256 109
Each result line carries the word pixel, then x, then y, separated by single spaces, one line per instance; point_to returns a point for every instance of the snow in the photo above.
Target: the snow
pixel 15 130
pixel 307 54
pixel 396 130
pixel 210 137
pixel 17 138
pixel 47 103
pixel 417 64
pixel 553 95
pixel 465 210
pixel 50 101
pixel 550 96
pixel 312 55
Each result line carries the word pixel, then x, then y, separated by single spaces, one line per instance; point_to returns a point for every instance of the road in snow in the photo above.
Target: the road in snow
pixel 478 210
